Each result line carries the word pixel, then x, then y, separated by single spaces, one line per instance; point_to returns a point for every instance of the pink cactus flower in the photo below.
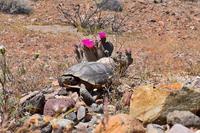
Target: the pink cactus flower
pixel 102 35
pixel 88 43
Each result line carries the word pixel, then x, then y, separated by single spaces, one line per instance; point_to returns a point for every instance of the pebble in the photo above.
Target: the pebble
pixel 154 128
pixel 81 112
pixel 178 128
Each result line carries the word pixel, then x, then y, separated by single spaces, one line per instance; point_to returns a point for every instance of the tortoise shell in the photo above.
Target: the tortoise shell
pixel 91 72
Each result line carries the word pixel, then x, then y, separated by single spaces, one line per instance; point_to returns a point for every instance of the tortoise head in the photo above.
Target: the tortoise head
pixel 65 80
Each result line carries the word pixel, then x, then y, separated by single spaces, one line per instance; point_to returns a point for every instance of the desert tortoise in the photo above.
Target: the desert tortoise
pixel 91 74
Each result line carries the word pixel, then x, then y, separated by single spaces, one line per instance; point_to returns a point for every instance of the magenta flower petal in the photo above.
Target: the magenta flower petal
pixel 88 43
pixel 102 35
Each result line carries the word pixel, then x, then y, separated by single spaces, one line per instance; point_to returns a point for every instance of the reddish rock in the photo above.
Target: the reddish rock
pixel 57 106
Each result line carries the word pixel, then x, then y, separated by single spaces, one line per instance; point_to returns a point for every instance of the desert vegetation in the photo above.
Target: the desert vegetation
pixel 93 17
pixel 162 35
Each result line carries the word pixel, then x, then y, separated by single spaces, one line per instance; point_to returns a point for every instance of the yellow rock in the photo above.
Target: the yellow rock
pixel 150 104
pixel 121 123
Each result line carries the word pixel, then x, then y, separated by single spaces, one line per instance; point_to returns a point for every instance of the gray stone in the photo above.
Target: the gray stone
pixel 71 116
pixel 16 6
pixel 33 103
pixel 28 96
pixel 47 129
pixel 81 112
pixel 178 128
pixel 93 121
pixel 112 5
pixel 154 128
pixel 185 118
pixel 63 92
pixel 96 108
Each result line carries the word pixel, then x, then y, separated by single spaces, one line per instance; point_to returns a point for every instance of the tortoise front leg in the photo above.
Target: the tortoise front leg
pixel 87 97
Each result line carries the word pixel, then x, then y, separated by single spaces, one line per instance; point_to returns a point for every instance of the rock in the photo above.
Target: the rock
pixel 198 131
pixel 16 7
pixel 154 128
pixel 34 121
pixel 71 116
pixel 63 92
pixel 185 118
pixel 87 118
pixel 80 103
pixel 74 96
pixel 150 104
pixel 47 129
pixel 62 123
pixel 37 121
pixel 111 109
pixel 50 95
pixel 178 128
pixel 93 121
pixel 122 123
pixel 81 112
pixel 33 103
pixel 83 128
pixel 28 96
pixel 191 82
pixel 58 130
pixel 108 61
pixel 57 106
pixel 96 108
pixel 113 5
pixel 158 1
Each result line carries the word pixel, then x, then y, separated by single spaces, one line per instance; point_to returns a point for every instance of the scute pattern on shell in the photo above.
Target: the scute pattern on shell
pixel 91 72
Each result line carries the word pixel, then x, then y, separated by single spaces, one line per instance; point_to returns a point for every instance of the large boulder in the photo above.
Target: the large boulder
pixel 185 118
pixel 33 102
pixel 152 104
pixel 121 123
pixel 112 5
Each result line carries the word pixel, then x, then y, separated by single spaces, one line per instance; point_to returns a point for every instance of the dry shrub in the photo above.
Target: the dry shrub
pixel 8 102
pixel 91 17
